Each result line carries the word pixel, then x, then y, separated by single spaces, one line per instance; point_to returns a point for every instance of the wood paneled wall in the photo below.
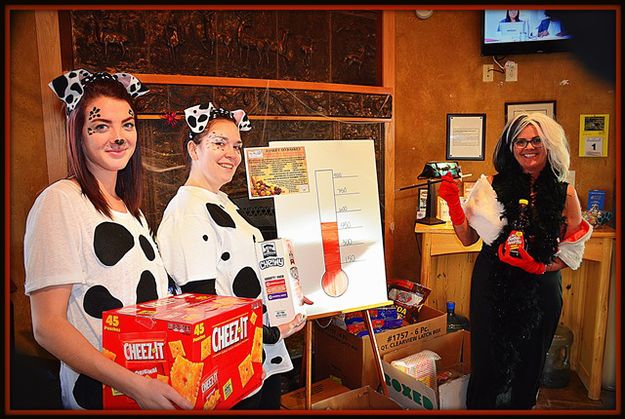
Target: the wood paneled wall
pixel 439 71
pixel 28 160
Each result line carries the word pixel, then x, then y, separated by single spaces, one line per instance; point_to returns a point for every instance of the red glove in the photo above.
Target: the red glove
pixel 525 261
pixel 451 194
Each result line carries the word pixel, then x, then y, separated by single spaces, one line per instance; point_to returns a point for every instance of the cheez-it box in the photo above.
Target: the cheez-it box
pixel 207 347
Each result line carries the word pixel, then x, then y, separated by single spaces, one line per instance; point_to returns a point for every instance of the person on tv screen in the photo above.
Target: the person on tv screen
pixel 543 27
pixel 548 23
pixel 512 16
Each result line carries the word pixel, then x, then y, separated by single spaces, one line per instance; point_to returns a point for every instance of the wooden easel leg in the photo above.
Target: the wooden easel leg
pixel 308 358
pixel 302 371
pixel 376 352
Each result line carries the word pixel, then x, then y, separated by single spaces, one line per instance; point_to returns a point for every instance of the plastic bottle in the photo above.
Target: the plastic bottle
pixel 516 239
pixel 455 321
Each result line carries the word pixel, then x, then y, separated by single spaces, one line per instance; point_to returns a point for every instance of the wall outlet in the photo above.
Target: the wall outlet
pixel 511 71
pixel 487 72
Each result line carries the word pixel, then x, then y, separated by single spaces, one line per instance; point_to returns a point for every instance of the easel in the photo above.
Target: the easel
pixel 307 359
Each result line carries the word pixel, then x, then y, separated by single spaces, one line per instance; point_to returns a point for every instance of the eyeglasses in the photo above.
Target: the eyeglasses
pixel 521 143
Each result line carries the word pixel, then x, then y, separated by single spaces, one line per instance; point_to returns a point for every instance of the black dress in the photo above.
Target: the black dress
pixel 514 314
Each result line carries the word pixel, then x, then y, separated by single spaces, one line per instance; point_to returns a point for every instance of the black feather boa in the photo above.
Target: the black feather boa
pixel 513 292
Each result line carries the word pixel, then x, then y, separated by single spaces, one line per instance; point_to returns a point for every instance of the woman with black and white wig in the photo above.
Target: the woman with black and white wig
pixel 516 302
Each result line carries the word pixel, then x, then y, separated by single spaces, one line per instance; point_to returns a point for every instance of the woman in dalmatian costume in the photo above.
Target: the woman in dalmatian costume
pixel 516 302
pixel 208 247
pixel 87 246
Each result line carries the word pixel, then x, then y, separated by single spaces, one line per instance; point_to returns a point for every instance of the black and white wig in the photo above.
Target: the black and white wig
pixel 550 132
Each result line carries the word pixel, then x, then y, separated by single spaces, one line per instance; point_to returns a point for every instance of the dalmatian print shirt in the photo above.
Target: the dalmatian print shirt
pixel 110 263
pixel 202 236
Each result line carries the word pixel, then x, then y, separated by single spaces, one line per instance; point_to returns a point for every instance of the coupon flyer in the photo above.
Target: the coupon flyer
pixel 275 171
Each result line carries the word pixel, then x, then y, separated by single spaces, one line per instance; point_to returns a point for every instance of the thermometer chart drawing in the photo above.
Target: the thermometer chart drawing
pixel 335 226
pixel 334 281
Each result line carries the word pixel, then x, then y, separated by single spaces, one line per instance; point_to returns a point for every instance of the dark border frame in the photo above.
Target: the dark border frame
pixel 482 116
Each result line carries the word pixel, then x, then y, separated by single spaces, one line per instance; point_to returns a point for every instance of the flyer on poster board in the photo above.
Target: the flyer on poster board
pixel 593 135
pixel 336 229
pixel 274 171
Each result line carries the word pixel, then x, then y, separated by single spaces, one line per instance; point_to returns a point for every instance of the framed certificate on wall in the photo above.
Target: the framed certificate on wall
pixel 465 136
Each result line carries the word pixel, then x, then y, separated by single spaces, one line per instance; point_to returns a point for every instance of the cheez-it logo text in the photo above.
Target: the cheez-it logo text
pixel 144 351
pixel 229 333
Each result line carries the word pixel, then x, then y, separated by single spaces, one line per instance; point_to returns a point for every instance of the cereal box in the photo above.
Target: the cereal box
pixel 207 347
pixel 279 280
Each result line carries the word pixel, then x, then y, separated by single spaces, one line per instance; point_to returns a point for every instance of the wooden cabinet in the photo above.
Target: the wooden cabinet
pixel 447 265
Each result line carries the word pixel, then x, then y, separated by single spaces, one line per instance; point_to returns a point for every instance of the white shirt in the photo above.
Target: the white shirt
pixel 203 236
pixel 110 263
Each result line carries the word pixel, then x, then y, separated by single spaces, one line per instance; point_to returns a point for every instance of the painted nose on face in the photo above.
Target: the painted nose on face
pixel 118 137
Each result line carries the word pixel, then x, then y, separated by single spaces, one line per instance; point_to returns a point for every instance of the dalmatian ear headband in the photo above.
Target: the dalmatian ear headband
pixel 70 87
pixel 199 116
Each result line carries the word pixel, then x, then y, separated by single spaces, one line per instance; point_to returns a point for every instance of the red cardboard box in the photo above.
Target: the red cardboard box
pixel 207 347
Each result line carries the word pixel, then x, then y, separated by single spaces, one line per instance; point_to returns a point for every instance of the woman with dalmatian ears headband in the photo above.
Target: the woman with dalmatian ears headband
pixel 208 247
pixel 87 246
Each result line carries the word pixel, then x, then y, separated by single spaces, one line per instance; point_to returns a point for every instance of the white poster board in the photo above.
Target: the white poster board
pixel 344 270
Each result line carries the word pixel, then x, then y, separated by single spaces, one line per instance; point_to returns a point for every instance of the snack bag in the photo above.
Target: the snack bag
pixel 421 366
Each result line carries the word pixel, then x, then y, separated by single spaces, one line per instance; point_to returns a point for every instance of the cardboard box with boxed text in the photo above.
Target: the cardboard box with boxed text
pixel 349 357
pixel 455 352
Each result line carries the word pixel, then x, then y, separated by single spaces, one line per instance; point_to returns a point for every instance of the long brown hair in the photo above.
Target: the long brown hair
pixel 129 185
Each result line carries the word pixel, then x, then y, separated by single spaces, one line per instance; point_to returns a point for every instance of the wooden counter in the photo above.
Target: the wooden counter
pixel 447 265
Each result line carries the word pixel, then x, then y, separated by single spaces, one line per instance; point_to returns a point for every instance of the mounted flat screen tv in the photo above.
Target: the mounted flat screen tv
pixel 511 32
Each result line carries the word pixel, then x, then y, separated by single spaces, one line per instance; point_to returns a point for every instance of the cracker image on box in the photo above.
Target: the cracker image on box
pixel 257 345
pixel 246 371
pixel 185 377
pixel 279 281
pixel 110 355
pixel 206 347
pixel 176 348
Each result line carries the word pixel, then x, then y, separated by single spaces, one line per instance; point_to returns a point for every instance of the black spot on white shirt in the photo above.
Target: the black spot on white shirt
pixel 146 290
pixel 221 217
pixel 98 299
pixel 111 241
pixel 88 392
pixel 246 283
pixel 225 256
pixel 276 360
pixel 147 248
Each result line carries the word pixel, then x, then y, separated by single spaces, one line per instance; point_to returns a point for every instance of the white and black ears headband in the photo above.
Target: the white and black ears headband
pixel 199 116
pixel 70 87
